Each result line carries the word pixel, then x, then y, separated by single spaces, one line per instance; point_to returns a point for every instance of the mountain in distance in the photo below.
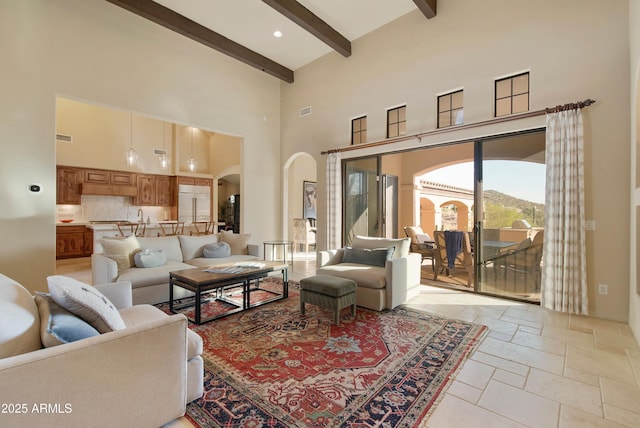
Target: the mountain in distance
pixel 510 202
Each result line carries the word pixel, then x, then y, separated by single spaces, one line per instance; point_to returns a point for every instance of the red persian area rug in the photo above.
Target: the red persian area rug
pixel 272 367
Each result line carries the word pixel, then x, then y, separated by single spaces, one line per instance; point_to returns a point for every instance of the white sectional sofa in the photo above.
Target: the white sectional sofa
pixel 385 279
pixel 151 284
pixel 53 374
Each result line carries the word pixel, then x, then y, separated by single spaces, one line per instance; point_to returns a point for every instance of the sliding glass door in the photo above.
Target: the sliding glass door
pixel 370 204
pixel 510 183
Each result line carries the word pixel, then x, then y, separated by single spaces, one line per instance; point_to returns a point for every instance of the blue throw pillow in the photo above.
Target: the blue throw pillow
pixel 150 258
pixel 216 250
pixel 59 326
pixel 363 256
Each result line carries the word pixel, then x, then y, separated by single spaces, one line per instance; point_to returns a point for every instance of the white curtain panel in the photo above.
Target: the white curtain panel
pixel 564 282
pixel 334 200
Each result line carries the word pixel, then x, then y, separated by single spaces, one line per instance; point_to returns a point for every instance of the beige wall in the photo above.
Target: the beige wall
pixel 93 51
pixel 574 49
pixel 634 256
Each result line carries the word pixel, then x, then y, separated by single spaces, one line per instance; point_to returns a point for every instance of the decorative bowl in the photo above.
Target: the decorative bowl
pixel 68 220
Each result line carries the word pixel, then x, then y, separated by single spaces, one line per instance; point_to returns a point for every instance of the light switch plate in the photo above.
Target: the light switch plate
pixel 589 225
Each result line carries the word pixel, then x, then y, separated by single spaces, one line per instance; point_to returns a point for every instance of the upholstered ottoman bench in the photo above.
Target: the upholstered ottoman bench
pixel 329 292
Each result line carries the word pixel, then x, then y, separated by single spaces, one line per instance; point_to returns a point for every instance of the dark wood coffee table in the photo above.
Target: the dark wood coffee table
pixel 220 279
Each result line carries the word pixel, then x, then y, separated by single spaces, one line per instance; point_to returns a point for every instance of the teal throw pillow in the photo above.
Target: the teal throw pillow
pixel 216 250
pixel 150 258
pixel 59 326
pixel 364 256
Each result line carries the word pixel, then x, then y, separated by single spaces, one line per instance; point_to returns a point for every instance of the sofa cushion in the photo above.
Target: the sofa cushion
pixel 151 276
pixel 19 319
pixel 149 258
pixel 121 250
pixel 193 246
pixel 401 244
pixel 374 257
pixel 237 241
pixel 86 302
pixel 216 250
pixel 364 275
pixel 59 326
pixel 140 314
pixel 169 244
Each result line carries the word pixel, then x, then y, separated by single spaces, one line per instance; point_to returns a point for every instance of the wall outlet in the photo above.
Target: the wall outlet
pixel 603 289
pixel 589 225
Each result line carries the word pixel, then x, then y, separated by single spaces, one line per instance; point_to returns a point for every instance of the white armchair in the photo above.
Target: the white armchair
pixel 142 375
pixel 382 286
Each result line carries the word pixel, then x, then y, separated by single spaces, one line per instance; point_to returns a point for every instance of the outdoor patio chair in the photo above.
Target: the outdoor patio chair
pixel 421 243
pixel 453 263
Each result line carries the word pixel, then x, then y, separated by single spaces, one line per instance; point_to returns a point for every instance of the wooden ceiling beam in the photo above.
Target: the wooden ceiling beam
pixel 312 23
pixel 427 7
pixel 182 25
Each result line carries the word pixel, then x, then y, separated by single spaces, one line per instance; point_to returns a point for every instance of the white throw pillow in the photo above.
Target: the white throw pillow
pixel 121 250
pixel 86 302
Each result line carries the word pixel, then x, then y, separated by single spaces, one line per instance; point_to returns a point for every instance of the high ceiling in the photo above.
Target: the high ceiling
pixel 244 29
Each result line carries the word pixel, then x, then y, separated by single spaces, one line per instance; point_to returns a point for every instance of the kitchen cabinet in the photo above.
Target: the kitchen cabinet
pixel 195 181
pixel 73 241
pixel 165 191
pixel 68 183
pixel 87 244
pixel 99 176
pixel 146 190
pixel 155 190
pixel 69 241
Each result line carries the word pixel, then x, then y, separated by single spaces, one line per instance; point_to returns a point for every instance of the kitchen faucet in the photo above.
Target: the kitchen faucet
pixel 141 214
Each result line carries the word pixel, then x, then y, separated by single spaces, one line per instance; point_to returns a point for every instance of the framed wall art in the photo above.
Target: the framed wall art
pixel 309 199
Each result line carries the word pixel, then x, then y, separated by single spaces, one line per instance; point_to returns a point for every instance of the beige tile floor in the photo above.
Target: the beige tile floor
pixel 534 368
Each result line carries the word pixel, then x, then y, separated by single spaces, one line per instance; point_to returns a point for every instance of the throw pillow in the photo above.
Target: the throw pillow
pixel 59 326
pixel 86 302
pixel 149 258
pixel 237 241
pixel 402 244
pixel 363 256
pixel 121 250
pixel 217 250
pixel 192 246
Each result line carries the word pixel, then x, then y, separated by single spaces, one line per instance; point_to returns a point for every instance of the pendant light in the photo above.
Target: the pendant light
pixel 164 158
pixel 131 156
pixel 193 162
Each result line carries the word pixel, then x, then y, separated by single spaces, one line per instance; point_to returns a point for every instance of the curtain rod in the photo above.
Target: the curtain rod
pixel 419 136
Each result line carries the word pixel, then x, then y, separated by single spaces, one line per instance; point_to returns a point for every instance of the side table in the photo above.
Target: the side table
pixel 287 248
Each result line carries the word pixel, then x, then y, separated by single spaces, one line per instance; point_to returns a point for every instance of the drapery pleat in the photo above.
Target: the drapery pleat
pixel 334 200
pixel 564 282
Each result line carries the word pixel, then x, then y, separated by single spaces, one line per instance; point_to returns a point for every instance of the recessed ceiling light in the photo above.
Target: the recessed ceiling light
pixel 277 33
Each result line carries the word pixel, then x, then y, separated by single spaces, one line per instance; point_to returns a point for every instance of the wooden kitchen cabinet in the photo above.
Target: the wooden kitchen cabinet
pixel 73 241
pixel 146 190
pixel 87 244
pixel 68 184
pixel 195 181
pixel 155 190
pixel 100 176
pixel 165 191
pixel 69 241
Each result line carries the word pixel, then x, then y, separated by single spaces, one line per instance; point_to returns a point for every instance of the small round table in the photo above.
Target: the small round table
pixel 287 248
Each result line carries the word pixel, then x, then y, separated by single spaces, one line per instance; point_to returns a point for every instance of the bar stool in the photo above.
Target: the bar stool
pixel 135 229
pixel 172 228
pixel 202 228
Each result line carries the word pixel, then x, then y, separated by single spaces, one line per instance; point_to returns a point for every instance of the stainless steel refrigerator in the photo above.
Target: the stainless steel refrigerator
pixel 194 203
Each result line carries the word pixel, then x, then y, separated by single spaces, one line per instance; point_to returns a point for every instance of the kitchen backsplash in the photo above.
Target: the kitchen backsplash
pixel 95 208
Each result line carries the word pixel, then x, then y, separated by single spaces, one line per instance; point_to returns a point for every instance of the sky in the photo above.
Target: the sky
pixel 524 180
